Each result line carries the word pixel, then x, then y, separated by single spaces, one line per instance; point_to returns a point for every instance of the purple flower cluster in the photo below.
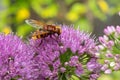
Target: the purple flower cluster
pixel 109 49
pixel 60 57
pixel 14 58
pixel 72 53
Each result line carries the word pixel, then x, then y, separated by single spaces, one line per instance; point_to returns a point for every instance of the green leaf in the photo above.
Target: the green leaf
pixel 66 56
pixel 73 77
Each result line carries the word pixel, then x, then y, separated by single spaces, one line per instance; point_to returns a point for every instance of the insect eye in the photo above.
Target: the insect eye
pixel 41 35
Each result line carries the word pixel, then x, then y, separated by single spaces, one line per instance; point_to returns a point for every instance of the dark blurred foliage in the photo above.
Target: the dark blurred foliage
pixel 88 15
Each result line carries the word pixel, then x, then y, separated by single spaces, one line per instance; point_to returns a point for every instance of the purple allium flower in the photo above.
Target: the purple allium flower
pixel 118 29
pixel 108 71
pixel 109 30
pixel 77 41
pixel 93 65
pixel 94 76
pixel 46 58
pixel 73 61
pixel 14 58
pixel 62 69
pixel 110 49
pixel 60 57
pixel 79 70
pixel 104 67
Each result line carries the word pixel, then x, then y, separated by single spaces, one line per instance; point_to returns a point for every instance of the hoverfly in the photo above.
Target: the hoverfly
pixel 43 29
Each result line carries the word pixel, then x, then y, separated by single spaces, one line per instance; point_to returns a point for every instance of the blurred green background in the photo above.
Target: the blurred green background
pixel 89 15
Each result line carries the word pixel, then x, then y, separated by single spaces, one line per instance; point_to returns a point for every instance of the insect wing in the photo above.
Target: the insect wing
pixel 35 23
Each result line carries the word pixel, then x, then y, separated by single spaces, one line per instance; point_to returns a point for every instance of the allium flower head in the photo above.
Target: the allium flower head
pixel 77 41
pixel 14 57
pixel 110 50
pixel 60 57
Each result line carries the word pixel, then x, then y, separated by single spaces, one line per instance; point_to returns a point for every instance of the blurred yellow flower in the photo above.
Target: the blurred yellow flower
pixel 76 12
pixel 72 16
pixel 103 6
pixel 6 30
pixel 22 14
pixel 79 8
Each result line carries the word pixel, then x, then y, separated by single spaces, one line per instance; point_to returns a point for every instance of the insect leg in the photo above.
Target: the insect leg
pixel 54 37
pixel 40 42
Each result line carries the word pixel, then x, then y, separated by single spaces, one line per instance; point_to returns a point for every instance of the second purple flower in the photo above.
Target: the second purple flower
pixel 60 57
